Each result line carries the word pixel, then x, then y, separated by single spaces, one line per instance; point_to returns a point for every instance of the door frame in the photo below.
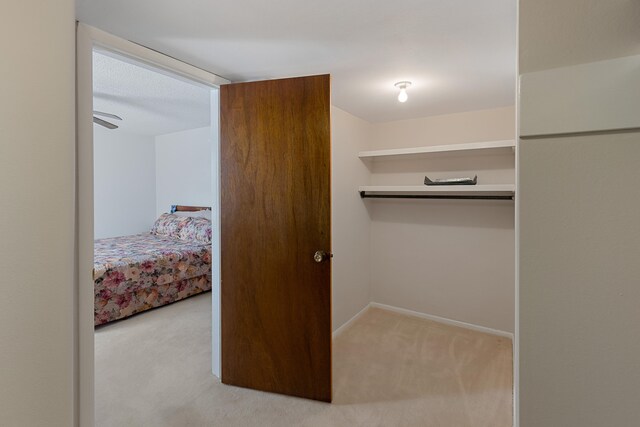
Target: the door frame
pixel 88 39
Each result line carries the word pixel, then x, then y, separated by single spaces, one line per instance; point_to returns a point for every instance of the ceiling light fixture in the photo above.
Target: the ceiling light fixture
pixel 402 96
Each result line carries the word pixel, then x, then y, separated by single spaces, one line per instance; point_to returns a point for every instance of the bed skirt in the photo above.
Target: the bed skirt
pixel 120 305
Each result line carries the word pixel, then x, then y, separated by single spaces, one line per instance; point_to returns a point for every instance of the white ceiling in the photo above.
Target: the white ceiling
pixel 459 54
pixel 150 103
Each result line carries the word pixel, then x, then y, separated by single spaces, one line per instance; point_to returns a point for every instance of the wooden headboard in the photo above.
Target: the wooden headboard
pixel 183 208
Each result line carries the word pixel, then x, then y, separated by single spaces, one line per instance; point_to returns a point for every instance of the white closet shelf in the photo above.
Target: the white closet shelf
pixel 487 191
pixel 488 145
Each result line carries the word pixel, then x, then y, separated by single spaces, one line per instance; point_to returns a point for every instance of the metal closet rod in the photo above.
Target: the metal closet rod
pixel 364 195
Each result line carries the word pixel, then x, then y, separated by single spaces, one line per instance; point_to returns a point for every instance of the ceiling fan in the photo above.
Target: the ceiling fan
pixel 105 123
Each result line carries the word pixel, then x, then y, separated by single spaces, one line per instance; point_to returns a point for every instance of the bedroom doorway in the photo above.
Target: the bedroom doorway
pixel 152 146
pixel 152 152
pixel 288 121
pixel 148 180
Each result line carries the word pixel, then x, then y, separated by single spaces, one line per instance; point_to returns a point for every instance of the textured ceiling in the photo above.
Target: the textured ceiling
pixel 149 102
pixel 460 54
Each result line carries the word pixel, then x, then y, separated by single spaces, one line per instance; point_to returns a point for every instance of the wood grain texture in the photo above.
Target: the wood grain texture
pixel 183 208
pixel 275 213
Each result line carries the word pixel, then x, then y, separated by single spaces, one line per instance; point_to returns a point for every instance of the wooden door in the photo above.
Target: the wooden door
pixel 275 215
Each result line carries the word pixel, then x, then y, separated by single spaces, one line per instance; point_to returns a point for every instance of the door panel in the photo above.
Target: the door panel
pixel 275 214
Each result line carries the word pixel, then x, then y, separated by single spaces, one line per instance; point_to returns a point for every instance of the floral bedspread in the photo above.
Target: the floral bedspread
pixel 134 273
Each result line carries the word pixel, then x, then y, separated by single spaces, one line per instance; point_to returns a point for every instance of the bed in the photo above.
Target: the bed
pixel 136 273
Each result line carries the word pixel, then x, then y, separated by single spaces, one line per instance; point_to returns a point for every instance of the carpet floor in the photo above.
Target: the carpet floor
pixel 154 369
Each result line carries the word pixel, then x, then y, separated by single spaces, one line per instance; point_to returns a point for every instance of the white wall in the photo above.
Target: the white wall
pixel 37 127
pixel 183 169
pixel 453 259
pixel 558 33
pixel 351 265
pixel 579 343
pixel 579 281
pixel 137 178
pixel 597 96
pixel 124 183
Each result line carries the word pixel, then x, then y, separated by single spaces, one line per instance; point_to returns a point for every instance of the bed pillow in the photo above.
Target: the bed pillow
pixel 169 225
pixel 196 229
pixel 195 214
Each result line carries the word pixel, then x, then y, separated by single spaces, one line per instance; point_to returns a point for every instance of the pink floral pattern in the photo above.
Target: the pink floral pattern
pixel 135 273
pixel 169 225
pixel 196 229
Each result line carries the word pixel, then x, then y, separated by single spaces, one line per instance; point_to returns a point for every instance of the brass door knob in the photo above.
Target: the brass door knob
pixel 320 256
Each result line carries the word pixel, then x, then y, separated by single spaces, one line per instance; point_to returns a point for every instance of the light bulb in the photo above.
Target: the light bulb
pixel 402 96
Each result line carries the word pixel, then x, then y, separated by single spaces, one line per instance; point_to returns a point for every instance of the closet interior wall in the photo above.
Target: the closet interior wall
pixel 350 222
pixel 449 258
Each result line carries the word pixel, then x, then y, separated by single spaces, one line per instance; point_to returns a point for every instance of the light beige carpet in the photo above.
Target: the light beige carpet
pixel 154 369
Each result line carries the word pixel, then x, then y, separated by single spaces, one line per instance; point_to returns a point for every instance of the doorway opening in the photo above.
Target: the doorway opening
pixel 152 153
pixel 148 208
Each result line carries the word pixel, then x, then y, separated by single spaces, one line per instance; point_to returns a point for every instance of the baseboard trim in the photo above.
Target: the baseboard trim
pixel 438 319
pixel 349 322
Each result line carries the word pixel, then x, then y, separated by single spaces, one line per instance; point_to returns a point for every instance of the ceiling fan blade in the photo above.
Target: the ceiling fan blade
pixel 111 116
pixel 104 123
